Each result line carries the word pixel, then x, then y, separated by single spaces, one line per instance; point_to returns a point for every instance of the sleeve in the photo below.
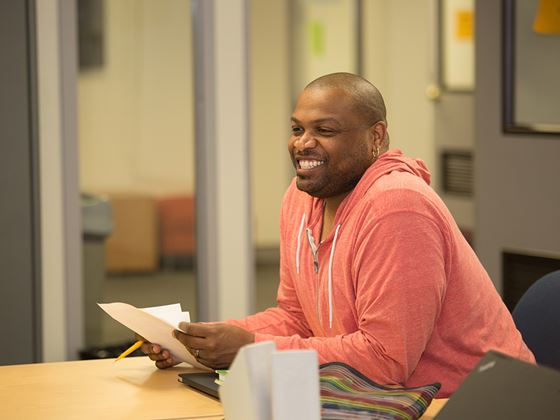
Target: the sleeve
pixel 399 264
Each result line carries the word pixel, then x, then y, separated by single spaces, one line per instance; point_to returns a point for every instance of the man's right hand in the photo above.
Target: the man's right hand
pixel 163 358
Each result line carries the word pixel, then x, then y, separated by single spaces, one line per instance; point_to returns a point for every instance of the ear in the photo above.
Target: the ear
pixel 378 134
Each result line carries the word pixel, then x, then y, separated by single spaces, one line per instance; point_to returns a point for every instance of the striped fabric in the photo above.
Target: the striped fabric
pixel 347 394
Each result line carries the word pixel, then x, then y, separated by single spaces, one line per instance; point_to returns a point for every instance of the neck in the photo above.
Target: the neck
pixel 332 203
pixel 331 206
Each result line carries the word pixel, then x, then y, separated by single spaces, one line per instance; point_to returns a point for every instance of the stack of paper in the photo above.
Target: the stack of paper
pixel 155 324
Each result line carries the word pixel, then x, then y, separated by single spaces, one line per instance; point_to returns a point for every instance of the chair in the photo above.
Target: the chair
pixel 537 316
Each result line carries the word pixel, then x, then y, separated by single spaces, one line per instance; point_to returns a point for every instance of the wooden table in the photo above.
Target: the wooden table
pixel 101 389
pixel 433 409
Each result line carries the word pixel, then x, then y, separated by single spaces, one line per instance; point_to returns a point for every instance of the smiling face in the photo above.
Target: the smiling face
pixel 332 144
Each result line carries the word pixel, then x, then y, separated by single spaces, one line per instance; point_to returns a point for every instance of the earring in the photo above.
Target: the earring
pixel 376 153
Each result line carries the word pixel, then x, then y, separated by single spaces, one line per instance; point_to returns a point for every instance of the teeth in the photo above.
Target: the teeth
pixel 310 164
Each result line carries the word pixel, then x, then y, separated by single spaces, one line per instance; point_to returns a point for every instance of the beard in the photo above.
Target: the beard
pixel 331 184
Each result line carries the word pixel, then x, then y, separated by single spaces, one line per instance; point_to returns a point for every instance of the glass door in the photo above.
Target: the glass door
pixel 136 142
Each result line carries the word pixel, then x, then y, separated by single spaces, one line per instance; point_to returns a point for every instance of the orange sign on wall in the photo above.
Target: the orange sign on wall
pixel 464 25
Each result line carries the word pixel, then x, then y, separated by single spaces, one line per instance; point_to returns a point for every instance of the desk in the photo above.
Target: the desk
pixel 101 389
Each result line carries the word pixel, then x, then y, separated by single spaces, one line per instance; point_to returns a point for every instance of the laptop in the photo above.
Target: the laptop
pixel 503 388
pixel 203 381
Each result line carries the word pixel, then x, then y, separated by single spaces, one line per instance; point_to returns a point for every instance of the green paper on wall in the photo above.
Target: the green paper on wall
pixel 317 37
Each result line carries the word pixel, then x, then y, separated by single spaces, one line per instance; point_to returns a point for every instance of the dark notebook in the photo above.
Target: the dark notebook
pixel 503 388
pixel 204 382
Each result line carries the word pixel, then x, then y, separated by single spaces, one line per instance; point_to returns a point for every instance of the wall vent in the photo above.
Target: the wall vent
pixel 457 173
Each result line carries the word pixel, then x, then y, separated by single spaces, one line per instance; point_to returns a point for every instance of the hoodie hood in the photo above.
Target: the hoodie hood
pixel 390 161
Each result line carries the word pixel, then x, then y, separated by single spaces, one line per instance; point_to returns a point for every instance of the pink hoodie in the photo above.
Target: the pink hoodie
pixel 394 290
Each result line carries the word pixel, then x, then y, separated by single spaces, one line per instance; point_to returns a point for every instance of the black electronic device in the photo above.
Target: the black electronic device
pixel 503 388
pixel 203 381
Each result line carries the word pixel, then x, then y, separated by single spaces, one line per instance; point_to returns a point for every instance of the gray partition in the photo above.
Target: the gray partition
pixel 516 175
pixel 20 308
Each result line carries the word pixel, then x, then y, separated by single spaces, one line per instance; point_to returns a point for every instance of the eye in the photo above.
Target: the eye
pixel 297 131
pixel 326 132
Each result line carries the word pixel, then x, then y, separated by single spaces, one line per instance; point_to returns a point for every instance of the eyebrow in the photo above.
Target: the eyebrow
pixel 318 121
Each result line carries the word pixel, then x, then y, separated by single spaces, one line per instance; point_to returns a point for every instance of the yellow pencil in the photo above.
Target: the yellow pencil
pixel 130 350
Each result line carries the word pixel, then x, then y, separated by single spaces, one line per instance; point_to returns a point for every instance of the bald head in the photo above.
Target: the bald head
pixel 367 98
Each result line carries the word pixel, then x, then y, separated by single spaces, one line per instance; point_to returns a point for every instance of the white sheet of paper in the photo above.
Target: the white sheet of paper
pixel 169 313
pixel 155 324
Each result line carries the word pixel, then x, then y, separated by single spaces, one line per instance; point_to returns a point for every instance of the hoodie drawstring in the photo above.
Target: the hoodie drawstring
pixel 299 242
pixel 330 276
pixel 315 253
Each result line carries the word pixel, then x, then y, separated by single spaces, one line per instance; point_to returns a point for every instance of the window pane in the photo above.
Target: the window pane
pixel 137 152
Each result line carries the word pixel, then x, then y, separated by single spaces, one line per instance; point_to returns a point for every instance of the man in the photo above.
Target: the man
pixel 374 270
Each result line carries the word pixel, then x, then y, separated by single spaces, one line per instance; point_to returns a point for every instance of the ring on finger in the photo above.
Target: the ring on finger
pixel 196 353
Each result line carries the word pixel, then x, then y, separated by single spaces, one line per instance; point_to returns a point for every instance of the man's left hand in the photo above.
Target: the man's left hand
pixel 214 345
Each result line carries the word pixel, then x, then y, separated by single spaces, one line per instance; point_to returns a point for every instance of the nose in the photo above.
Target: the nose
pixel 305 141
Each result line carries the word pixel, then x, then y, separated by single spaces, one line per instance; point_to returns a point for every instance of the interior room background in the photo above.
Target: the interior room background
pixel 135 145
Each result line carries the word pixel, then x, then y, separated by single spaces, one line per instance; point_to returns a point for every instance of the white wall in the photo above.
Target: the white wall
pixel 136 111
pixel 398 51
